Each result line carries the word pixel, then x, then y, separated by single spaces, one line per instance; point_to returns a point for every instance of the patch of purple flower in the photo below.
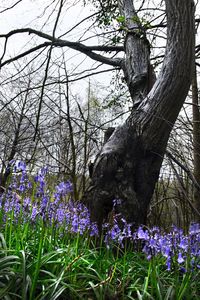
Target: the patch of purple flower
pixel 173 246
pixel 57 209
pixel 54 208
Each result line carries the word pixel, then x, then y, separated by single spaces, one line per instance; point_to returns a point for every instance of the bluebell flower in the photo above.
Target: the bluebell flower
pixel 44 203
pixel 34 213
pixel 94 229
pixel 43 171
pixel 194 228
pixel 40 178
pixel 184 243
pixel 127 232
pixel 168 263
pixel 29 185
pixel 75 224
pixel 22 188
pixel 115 232
pixel 147 250
pixel 117 202
pixel 142 234
pixel 60 215
pixel 19 166
pixel 183 270
pixel 180 258
pixel 64 188
pixel 27 202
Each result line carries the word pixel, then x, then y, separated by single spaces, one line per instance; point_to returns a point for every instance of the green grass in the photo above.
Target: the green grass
pixel 76 269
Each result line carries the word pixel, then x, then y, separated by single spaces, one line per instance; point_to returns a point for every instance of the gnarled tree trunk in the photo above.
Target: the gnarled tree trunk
pixel 129 163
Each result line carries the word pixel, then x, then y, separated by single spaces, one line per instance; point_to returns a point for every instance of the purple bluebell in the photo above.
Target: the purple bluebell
pixel 180 258
pixel 40 179
pixel 194 228
pixel 34 213
pixel 142 234
pixel 19 166
pixel 64 188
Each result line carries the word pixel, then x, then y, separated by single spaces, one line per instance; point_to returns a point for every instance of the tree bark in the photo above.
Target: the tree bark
pixel 128 166
pixel 196 141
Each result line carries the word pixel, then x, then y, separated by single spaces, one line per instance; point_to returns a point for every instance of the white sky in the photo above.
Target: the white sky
pixel 38 14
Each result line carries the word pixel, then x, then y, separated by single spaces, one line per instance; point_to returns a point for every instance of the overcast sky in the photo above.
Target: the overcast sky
pixel 40 15
pixel 37 15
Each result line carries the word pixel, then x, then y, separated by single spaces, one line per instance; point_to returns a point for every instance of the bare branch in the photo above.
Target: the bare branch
pixel 87 50
pixel 8 8
pixel 46 71
pixel 79 23
pixel 25 53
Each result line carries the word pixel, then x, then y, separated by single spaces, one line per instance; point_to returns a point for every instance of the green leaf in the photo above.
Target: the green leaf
pixel 120 19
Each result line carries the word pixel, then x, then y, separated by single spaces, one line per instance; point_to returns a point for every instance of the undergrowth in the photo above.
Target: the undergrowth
pixel 49 249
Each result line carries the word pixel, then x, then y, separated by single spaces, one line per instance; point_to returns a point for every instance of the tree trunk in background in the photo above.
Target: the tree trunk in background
pixel 196 141
pixel 128 166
